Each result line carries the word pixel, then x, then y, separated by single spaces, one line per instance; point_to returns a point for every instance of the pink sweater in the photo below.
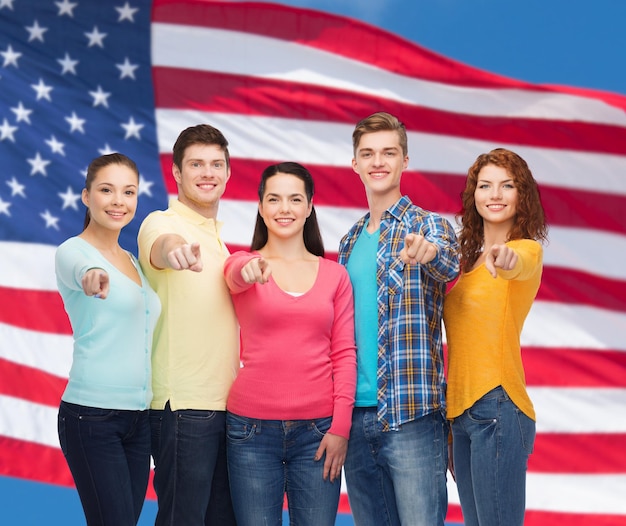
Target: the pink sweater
pixel 298 352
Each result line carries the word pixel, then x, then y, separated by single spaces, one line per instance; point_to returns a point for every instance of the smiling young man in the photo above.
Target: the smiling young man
pixel 196 355
pixel 399 257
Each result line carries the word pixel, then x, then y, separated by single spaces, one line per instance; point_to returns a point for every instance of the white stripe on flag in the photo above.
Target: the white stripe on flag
pixel 270 58
pixel 330 144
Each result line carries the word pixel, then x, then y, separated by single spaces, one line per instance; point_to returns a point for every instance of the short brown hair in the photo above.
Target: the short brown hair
pixel 199 134
pixel 380 121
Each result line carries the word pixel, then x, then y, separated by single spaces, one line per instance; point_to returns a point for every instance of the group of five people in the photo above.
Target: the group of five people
pixel 252 376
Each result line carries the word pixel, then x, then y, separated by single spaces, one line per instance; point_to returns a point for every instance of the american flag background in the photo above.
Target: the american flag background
pixel 81 78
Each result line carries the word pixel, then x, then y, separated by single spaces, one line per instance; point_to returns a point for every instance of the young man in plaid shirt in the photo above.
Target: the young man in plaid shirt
pixel 399 257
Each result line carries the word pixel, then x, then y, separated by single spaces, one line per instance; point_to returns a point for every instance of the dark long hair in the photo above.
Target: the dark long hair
pixel 530 221
pixel 312 236
pixel 102 162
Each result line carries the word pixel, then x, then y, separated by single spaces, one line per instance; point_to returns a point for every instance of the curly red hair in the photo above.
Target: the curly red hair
pixel 530 221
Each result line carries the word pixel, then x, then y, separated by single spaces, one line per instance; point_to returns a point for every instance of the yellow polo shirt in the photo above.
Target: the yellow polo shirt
pixel 195 355
pixel 484 317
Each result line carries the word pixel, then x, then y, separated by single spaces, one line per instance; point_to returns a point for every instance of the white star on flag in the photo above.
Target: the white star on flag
pixel 145 186
pixel 106 150
pixel 66 8
pixel 76 123
pixel 132 129
pixel 51 221
pixel 10 57
pixel 21 113
pixel 68 65
pixel 16 187
pixel 55 146
pixel 38 165
pixel 127 69
pixel 7 131
pixel 126 12
pixel 42 90
pixel 100 97
pixel 4 207
pixel 36 32
pixel 70 199
pixel 96 38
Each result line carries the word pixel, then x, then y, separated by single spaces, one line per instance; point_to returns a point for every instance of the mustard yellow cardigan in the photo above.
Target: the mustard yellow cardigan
pixel 483 318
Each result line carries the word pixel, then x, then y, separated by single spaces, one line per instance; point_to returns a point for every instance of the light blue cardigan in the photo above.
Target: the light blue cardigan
pixel 111 365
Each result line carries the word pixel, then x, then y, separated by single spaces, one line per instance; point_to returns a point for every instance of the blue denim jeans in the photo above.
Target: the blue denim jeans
pixel 491 444
pixel 268 458
pixel 397 477
pixel 190 471
pixel 108 453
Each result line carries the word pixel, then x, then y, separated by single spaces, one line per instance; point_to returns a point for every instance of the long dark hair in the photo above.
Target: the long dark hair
pixel 530 221
pixel 102 162
pixel 312 236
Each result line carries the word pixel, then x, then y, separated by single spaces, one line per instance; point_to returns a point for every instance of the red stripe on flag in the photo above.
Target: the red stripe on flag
pixel 32 461
pixel 329 33
pixel 29 383
pixel 339 186
pixel 574 367
pixel 245 95
pixel 569 286
pixel 553 518
pixel 585 453
pixel 40 463
pixel 549 518
pixel 34 310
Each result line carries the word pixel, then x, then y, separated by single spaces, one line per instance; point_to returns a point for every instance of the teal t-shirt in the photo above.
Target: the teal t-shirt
pixel 362 269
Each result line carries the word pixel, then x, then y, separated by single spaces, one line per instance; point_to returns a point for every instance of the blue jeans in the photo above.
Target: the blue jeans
pixel 108 453
pixel 397 477
pixel 190 471
pixel 491 444
pixel 267 458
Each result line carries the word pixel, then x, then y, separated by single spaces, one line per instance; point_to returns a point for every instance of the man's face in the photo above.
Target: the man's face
pixel 379 162
pixel 202 178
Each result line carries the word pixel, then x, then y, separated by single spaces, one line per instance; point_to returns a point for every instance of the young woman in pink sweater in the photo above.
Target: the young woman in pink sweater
pixel 289 410
pixel 493 420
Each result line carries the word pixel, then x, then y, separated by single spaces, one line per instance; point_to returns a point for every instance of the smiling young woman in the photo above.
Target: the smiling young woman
pixel 290 407
pixel 492 416
pixel 103 422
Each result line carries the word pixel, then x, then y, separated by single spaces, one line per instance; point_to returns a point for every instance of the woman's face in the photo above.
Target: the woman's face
pixel 284 207
pixel 496 196
pixel 112 198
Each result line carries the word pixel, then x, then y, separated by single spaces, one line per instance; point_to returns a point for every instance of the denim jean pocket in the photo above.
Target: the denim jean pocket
pixel 86 413
pixel 239 429
pixel 195 415
pixel 484 411
pixel 321 425
pixel 527 431
pixel 62 433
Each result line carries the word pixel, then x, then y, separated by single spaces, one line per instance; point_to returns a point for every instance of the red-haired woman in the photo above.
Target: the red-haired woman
pixel 492 416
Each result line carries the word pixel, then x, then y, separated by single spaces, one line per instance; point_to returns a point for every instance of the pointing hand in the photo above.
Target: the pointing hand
pixel 185 256
pixel 256 270
pixel 417 250
pixel 500 256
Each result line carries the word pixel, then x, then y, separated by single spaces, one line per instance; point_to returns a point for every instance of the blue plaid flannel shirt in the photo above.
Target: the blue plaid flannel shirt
pixel 410 375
